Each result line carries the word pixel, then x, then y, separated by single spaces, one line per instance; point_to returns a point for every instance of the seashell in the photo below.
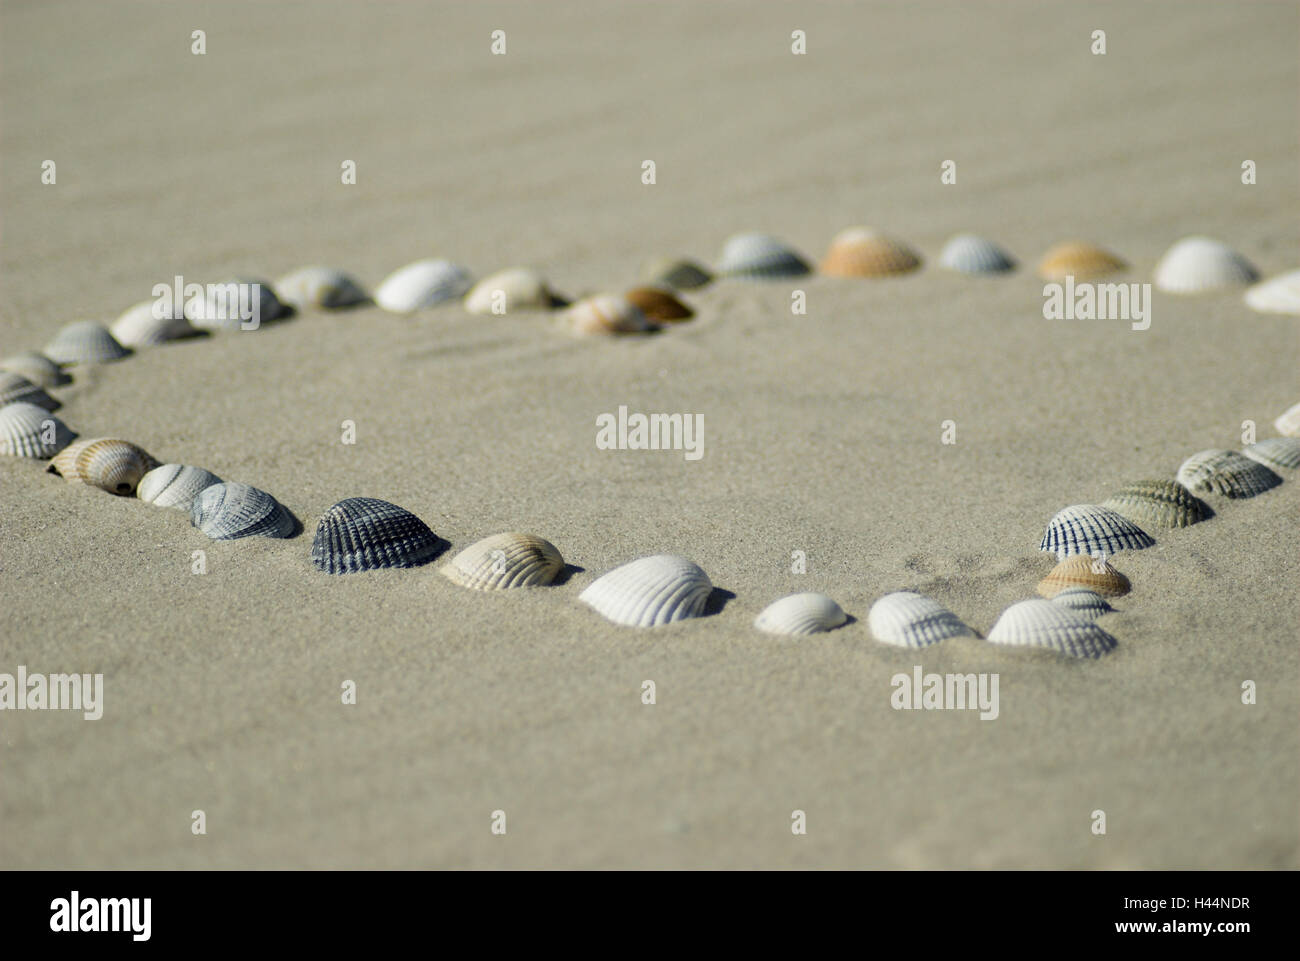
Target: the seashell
pixel 15 388
pixel 365 534
pixel 321 287
pixel 112 465
pixel 228 510
pixel 1196 264
pixel 37 368
pixel 863 252
pixel 505 560
pixel 1084 601
pixel 1289 423
pixel 800 614
pixel 1158 503
pixel 1078 260
pixel 518 288
pixel 677 273
pixel 650 591
pixel 1226 472
pixel 760 257
pixel 224 306
pixel 605 314
pixel 1039 623
pixel 658 305
pixel 84 342
pixel 424 283
pixel 1276 452
pixel 1277 295
pixel 140 327
pixel 30 431
pixel 175 486
pixel 908 619
pixel 1095 574
pixel 969 254
pixel 1086 529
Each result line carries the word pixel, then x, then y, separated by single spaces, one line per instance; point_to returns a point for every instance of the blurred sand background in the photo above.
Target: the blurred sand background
pixel 821 433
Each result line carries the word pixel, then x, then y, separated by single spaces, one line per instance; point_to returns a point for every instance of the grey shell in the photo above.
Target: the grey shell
pixel 84 342
pixel 366 534
pixel 761 257
pixel 15 387
pixel 1083 600
pixel 1158 503
pixel 1281 452
pixel 22 427
pixel 1226 472
pixel 230 510
pixel 969 254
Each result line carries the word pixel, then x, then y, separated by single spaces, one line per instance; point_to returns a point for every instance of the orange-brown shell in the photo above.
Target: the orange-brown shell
pixel 862 252
pixel 1084 571
pixel 112 465
pixel 1078 260
pixel 658 304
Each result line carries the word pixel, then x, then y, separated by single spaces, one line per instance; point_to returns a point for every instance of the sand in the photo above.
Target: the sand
pixel 822 435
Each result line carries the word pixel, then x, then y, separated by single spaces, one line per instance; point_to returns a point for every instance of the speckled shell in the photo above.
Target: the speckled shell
pixel 1288 423
pixel 110 464
pixel 22 427
pixel 174 486
pixel 1276 452
pixel 425 283
pixel 801 614
pixel 1091 530
pixel 676 273
pixel 1045 624
pixel 323 288
pixel 760 257
pixel 1158 503
pixel 84 342
pixel 969 254
pixel 1084 601
pixel 908 619
pixel 604 314
pixel 1226 472
pixel 221 306
pixel 1277 295
pixel 229 510
pixel 864 252
pixel 1087 572
pixel 1079 260
pixel 366 534
pixel 15 388
pixel 659 305
pixel 37 368
pixel 1196 264
pixel 139 327
pixel 521 289
pixel 504 561
pixel 650 591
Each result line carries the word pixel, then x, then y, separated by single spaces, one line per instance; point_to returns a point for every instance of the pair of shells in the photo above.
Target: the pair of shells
pixel 366 534
pixel 110 464
pixel 676 273
pixel 222 306
pixel 229 510
pixel 425 283
pixel 801 614
pixel 37 368
pixel 969 254
pixel 1158 503
pixel 84 342
pixel 605 315
pixel 27 430
pixel 505 561
pixel 760 257
pixel 147 325
pixel 864 252
pixel 1078 260
pixel 175 486
pixel 15 388
pixel 1087 573
pixel 1275 452
pixel 1277 295
pixel 908 619
pixel 1226 472
pixel 1055 627
pixel 323 288
pixel 1197 264
pixel 1092 530
pixel 512 290
pixel 1288 423
pixel 651 591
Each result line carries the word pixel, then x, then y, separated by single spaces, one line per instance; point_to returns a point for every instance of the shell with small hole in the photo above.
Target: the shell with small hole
pixel 1274 452
pixel 511 290
pixel 864 252
pixel 15 388
pixel 651 591
pixel 801 614
pixel 604 314
pixel 366 534
pixel 229 510
pixel 30 431
pixel 425 283
pixel 140 326
pixel 84 342
pixel 1288 423
pixel 1082 571
pixel 969 254
pixel 1197 264
pixel 244 303
pixel 174 486
pixel 1084 601
pixel 1277 295
pixel 760 257
pixel 908 619
pixel 110 464
pixel 1226 472
pixel 677 273
pixel 1158 503
pixel 325 288
pixel 659 305
pixel 1092 530
pixel 37 368
pixel 505 561
pixel 1046 624
pixel 1078 260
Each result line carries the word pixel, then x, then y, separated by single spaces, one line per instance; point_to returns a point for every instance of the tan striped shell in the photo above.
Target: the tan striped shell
pixel 1082 571
pixel 1078 260
pixel 505 560
pixel 112 465
pixel 864 252
pixel 605 315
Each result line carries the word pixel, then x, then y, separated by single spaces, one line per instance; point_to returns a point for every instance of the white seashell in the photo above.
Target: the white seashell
pixel 175 486
pixel 15 388
pixel 1095 531
pixel 84 342
pixel 110 464
pixel 650 591
pixel 758 256
pixel 30 431
pixel 1287 423
pixel 801 614
pixel 1084 601
pixel 507 291
pixel 1040 623
pixel 424 283
pixel 605 314
pixel 1277 295
pixel 969 254
pixel 1226 472
pixel 505 560
pixel 233 304
pixel 37 368
pixel 908 619
pixel 139 326
pixel 1276 452
pixel 228 511
pixel 322 287
pixel 366 534
pixel 1197 264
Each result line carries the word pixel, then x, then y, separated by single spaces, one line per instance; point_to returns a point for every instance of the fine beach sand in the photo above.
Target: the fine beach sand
pixel 822 434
